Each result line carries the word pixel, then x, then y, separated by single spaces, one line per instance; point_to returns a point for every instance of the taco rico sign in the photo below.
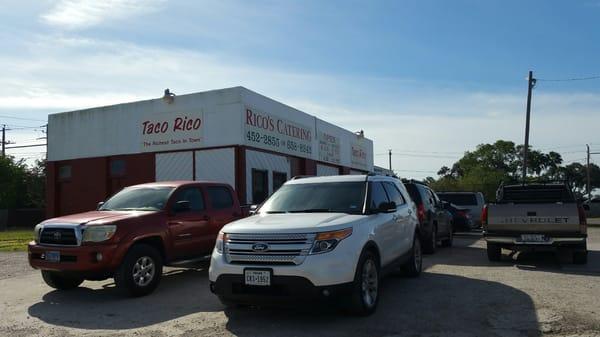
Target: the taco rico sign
pixel 171 131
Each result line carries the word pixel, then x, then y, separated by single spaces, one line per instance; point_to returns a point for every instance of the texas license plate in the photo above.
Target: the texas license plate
pixel 257 278
pixel 533 238
pixel 53 256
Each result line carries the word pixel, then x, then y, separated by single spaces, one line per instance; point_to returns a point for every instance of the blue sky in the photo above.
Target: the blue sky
pixel 429 79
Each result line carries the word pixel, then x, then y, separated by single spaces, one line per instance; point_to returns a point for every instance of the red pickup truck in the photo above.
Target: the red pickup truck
pixel 133 234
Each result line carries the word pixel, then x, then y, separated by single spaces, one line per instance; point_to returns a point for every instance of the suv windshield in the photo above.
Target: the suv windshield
pixel 343 197
pixel 138 199
pixel 461 199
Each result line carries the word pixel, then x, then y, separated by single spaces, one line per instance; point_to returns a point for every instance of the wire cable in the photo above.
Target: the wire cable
pixel 569 79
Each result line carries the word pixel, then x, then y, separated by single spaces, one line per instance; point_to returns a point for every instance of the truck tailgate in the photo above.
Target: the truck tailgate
pixel 533 218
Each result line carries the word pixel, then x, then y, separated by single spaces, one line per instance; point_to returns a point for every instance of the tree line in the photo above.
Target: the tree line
pixel 22 186
pixel 485 168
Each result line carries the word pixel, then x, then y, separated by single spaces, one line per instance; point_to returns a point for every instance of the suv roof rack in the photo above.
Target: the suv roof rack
pixel 301 177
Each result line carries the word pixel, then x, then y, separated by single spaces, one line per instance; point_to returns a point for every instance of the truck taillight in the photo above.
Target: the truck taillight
pixel 421 213
pixel 582 220
pixel 484 215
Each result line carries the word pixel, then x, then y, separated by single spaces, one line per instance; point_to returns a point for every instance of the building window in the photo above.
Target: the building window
pixel 64 172
pixel 260 185
pixel 220 197
pixel 279 178
pixel 117 168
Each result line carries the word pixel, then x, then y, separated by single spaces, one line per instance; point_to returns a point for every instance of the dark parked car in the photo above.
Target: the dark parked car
pixel 435 222
pixel 474 201
pixel 461 217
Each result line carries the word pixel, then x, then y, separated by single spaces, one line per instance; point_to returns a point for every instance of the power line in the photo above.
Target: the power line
pixel 569 79
pixel 22 118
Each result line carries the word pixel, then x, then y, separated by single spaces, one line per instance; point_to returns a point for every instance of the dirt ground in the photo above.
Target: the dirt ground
pixel 459 294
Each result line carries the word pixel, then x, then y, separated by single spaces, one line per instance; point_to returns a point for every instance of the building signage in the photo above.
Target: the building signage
pixel 273 133
pixel 359 155
pixel 329 148
pixel 171 131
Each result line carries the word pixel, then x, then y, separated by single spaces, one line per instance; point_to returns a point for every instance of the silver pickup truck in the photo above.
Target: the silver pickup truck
pixel 535 217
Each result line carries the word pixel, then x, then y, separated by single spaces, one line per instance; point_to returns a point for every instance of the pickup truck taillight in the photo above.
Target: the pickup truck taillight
pixel 582 220
pixel 484 215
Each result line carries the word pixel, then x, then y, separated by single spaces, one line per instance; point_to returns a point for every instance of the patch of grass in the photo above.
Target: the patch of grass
pixel 14 240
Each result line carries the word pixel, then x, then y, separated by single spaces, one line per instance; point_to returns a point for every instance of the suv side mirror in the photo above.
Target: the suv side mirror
pixel 99 205
pixel 387 207
pixel 181 206
pixel 253 209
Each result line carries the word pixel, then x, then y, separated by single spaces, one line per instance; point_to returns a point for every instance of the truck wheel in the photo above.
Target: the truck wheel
pixel 414 265
pixel 448 241
pixel 365 288
pixel 580 257
pixel 140 271
pixel 431 243
pixel 61 281
pixel 494 252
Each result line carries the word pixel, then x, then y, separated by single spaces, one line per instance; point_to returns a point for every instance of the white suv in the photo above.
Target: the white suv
pixel 319 237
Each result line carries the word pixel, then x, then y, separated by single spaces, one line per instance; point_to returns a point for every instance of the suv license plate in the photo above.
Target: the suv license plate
pixel 53 256
pixel 257 278
pixel 533 238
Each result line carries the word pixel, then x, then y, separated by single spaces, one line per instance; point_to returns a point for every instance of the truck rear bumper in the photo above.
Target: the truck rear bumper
pixel 550 240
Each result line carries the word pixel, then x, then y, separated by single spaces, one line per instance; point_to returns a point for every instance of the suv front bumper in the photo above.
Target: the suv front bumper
pixel 283 289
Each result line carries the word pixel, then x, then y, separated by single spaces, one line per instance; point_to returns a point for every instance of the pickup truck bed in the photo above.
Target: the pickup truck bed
pixel 535 217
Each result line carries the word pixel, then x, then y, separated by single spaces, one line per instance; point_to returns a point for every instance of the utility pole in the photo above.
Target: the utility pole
pixel 530 85
pixel 589 189
pixel 390 158
pixel 3 139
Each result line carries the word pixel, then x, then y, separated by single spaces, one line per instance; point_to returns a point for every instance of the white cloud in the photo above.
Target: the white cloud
pixel 70 73
pixel 76 14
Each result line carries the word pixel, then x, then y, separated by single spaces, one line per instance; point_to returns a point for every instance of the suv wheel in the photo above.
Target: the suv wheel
pixel 494 252
pixel 431 243
pixel 61 281
pixel 141 270
pixel 448 241
pixel 414 265
pixel 365 288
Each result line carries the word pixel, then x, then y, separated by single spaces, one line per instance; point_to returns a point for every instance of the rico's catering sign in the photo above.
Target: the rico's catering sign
pixel 171 131
pixel 273 133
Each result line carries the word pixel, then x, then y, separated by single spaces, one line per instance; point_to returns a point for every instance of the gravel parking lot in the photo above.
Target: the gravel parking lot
pixel 459 294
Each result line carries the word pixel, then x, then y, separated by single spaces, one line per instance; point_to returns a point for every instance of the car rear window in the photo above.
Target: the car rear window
pixel 534 193
pixel 461 199
pixel 413 192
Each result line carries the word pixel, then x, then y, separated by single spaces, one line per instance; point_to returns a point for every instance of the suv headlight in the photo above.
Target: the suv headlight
pixel 37 231
pixel 98 233
pixel 327 241
pixel 220 242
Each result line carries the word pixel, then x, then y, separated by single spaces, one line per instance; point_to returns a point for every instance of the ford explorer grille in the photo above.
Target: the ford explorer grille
pixel 268 249
pixel 58 236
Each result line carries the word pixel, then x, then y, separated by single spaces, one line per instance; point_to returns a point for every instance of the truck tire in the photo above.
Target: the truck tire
pixel 365 287
pixel 140 271
pixel 414 265
pixel 580 257
pixel 494 252
pixel 61 281
pixel 431 243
